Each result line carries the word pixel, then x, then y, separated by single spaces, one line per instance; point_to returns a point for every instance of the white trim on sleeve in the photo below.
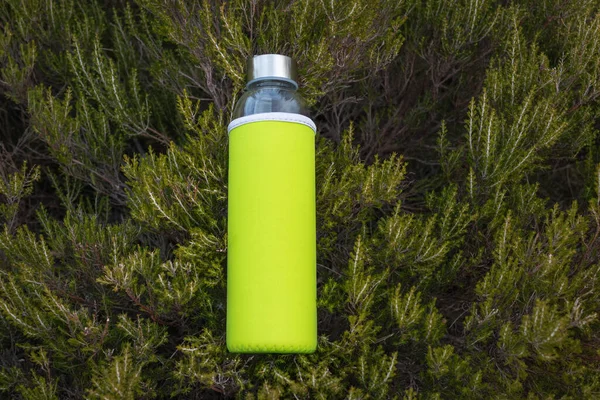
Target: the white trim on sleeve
pixel 273 116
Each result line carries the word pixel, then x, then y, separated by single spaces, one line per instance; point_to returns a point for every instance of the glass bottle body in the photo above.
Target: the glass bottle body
pixel 271 223
pixel 270 95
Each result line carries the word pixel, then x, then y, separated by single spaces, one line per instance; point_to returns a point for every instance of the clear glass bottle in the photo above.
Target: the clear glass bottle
pixel 271 215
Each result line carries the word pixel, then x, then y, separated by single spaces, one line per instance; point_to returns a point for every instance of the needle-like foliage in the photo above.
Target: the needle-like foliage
pixel 458 197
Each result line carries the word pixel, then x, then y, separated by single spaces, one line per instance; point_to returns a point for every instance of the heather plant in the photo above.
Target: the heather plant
pixel 458 197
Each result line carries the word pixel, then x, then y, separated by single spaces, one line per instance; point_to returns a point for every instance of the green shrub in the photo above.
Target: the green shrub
pixel 458 197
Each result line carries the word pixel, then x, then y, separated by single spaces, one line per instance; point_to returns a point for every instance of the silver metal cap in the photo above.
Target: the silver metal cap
pixel 269 66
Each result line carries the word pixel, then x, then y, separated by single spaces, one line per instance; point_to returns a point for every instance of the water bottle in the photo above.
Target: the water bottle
pixel 271 256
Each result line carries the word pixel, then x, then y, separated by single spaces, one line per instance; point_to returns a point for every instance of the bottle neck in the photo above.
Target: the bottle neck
pixel 272 83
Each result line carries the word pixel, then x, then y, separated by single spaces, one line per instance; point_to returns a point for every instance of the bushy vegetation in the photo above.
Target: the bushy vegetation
pixel 458 197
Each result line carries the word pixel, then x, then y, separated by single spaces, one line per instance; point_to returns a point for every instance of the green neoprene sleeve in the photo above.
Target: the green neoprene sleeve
pixel 271 256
